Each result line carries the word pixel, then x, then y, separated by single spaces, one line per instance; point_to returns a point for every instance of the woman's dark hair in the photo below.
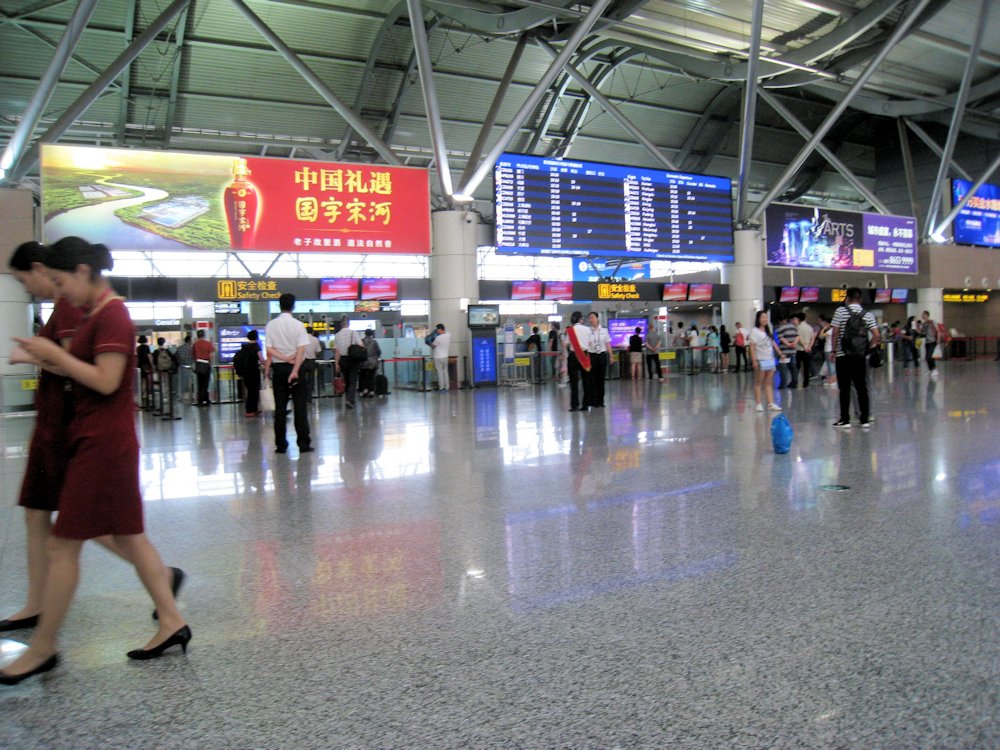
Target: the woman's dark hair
pixel 26 254
pixel 252 334
pixel 143 340
pixel 70 252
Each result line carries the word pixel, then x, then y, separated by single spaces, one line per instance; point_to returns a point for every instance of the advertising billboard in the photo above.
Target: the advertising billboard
pixel 559 290
pixel 338 289
pixel 675 292
pixel 979 222
pixel 159 200
pixel 379 289
pixel 526 290
pixel 700 293
pixel 811 237
pixel 809 294
pixel 621 329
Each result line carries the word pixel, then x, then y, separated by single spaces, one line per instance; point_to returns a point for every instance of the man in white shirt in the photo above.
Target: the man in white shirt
pixel 600 351
pixel 442 340
pixel 286 349
pixel 803 347
pixel 347 366
pixel 578 364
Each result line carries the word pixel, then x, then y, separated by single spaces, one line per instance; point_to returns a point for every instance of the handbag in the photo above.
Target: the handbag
pixel 267 398
pixel 874 358
pixel 357 353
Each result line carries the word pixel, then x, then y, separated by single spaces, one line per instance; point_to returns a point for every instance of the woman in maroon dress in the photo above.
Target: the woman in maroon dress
pixel 100 492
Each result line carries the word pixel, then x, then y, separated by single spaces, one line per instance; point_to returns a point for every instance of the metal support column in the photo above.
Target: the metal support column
pixel 911 174
pixel 749 113
pixel 900 31
pixel 956 115
pixel 610 108
pixel 175 78
pixel 47 85
pixel 89 96
pixel 491 116
pixel 569 49
pixel 426 73
pixel 321 88
pixel 825 152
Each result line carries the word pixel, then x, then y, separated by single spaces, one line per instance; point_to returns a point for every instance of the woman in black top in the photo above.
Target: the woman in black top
pixel 635 354
pixel 251 374
pixel 145 361
pixel 725 341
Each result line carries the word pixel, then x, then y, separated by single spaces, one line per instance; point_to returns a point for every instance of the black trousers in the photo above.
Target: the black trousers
pixel 349 371
pixel 283 391
pixel 203 379
pixel 741 353
pixel 576 375
pixel 929 347
pixel 851 371
pixel 653 360
pixel 804 360
pixel 251 382
pixel 598 373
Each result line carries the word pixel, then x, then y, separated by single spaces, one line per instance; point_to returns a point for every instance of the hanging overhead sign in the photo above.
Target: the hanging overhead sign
pixel 159 200
pixel 811 237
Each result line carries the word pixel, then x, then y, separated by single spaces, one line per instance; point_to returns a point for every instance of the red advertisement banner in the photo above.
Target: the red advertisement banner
pixel 559 290
pixel 157 200
pixel 700 293
pixel 526 290
pixel 379 289
pixel 338 289
pixel 675 292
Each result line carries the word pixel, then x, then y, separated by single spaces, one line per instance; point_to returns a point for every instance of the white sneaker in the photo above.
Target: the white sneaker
pixel 759 407
pixel 773 406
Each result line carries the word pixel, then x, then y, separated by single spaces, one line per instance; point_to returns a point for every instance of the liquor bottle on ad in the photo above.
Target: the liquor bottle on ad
pixel 241 200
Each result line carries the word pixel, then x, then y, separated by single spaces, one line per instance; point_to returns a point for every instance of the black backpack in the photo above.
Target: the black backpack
pixel 245 361
pixel 855 340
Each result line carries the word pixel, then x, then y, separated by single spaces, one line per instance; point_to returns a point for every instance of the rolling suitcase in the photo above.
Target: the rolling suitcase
pixel 381 385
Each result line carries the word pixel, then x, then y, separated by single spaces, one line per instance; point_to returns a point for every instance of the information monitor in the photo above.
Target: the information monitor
pixel 567 208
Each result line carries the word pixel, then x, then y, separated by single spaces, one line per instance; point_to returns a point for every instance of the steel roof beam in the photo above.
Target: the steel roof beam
pixel 749 117
pixel 933 146
pixel 95 89
pixel 899 32
pixel 14 150
pixel 574 42
pixel 908 170
pixel 825 152
pixel 175 77
pixel 956 117
pixel 123 91
pixel 433 111
pixel 321 88
pixel 610 108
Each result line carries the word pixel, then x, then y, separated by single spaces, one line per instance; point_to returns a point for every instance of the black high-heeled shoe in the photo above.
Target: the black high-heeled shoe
pixel 176 581
pixel 45 666
pixel 24 622
pixel 180 638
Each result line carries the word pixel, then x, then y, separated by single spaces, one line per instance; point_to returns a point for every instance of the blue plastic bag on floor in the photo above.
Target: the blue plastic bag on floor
pixel 781 434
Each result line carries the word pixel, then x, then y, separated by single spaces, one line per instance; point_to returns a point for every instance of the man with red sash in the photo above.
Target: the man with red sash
pixel 578 362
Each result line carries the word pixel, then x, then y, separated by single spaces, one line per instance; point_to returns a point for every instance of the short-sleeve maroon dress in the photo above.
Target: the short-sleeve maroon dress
pixel 100 494
pixel 43 476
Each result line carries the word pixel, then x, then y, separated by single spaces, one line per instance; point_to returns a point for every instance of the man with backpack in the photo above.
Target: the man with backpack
pixel 165 364
pixel 855 331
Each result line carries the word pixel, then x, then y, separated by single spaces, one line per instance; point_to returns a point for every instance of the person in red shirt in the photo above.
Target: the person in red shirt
pixel 202 352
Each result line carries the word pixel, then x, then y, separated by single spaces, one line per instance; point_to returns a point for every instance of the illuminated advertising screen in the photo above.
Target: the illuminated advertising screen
pixel 811 237
pixel 165 200
pixel 484 316
pixel 559 290
pixel 789 294
pixel 700 293
pixel 338 289
pixel 809 294
pixel 568 208
pixel 882 296
pixel 900 296
pixel 379 289
pixel 979 222
pixel 529 290
pixel 232 339
pixel 677 292
pixel 620 329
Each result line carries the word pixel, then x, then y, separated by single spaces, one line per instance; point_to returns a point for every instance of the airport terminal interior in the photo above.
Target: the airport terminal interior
pixel 469 557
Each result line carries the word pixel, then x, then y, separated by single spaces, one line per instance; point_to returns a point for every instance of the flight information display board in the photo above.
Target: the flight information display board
pixel 589 209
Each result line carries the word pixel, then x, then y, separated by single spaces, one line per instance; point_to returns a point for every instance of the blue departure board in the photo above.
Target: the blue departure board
pixel 569 208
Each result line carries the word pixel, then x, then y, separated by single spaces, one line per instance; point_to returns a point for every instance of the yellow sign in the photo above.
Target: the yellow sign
pixel 864 258
pixel 224 373
pixel 839 295
pixel 617 291
pixel 668 355
pixel 966 297
pixel 29 384
pixel 246 289
pixel 522 361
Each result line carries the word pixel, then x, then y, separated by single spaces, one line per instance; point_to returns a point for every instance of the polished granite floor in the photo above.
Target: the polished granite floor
pixel 483 569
